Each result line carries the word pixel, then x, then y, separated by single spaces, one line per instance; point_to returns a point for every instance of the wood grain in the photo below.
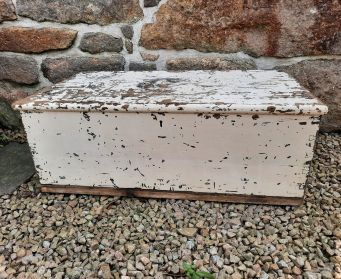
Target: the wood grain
pixel 155 194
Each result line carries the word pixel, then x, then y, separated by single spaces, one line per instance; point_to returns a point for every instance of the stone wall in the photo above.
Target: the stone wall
pixel 46 41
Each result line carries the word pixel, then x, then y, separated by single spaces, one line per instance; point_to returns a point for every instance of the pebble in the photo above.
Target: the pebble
pixel 264 275
pixel 282 264
pixel 326 274
pixel 105 242
pixel 105 272
pixel 231 234
pixel 200 224
pixel 175 269
pixel 61 250
pixel 81 240
pixel 337 233
pixel 46 244
pixel 300 261
pixel 74 273
pixel 21 253
pixel 229 269
pixel 79 236
pixel 130 248
pixel 234 259
pixel 139 266
pixel 59 275
pixel 236 275
pixel 296 270
pixel 213 250
pixel 190 244
pixel 222 274
pixel 59 223
pixel 300 212
pixel 311 275
pixel 144 260
pixel 189 232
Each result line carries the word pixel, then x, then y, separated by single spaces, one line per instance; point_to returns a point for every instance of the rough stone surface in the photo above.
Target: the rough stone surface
pixel 147 56
pixel 323 78
pixel 129 46
pixel 16 166
pixel 33 40
pixel 7 10
pixel 261 28
pixel 100 42
pixel 8 118
pixel 137 66
pixel 12 92
pixel 19 69
pixel 58 69
pixel 127 31
pixel 151 3
pixel 127 233
pixel 209 63
pixel 88 11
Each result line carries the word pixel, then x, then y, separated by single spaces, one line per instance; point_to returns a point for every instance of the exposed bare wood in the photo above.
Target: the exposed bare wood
pixel 156 194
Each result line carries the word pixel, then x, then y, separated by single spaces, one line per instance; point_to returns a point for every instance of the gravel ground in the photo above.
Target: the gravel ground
pixel 68 236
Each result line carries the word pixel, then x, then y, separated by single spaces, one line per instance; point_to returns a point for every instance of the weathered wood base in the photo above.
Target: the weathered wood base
pixel 156 194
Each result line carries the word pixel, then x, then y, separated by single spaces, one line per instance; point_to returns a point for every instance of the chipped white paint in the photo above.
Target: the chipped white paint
pixel 82 132
pixel 260 92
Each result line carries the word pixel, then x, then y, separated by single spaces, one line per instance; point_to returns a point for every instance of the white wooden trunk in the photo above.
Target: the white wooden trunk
pixel 236 132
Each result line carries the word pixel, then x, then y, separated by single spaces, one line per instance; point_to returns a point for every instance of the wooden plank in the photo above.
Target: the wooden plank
pixel 264 92
pixel 156 194
pixel 235 154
